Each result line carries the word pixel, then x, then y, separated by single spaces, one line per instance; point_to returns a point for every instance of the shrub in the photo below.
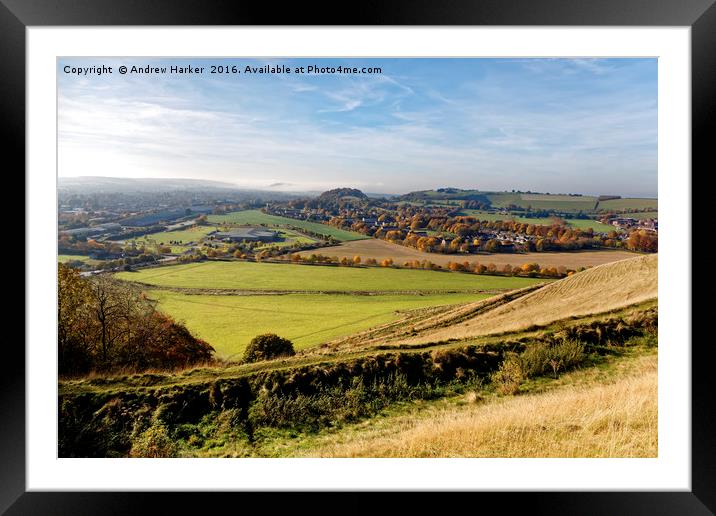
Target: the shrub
pixel 268 346
pixel 509 376
pixel 154 442
pixel 541 358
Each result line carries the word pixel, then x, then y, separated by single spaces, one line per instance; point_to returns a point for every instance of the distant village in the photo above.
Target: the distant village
pixel 108 228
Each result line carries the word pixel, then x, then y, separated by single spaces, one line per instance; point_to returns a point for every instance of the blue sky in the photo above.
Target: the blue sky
pixel 550 125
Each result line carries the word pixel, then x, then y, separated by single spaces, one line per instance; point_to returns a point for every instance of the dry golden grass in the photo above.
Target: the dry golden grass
pixel 615 419
pixel 380 250
pixel 425 320
pixel 602 288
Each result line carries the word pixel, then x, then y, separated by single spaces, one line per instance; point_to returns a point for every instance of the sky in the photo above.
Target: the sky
pixel 546 125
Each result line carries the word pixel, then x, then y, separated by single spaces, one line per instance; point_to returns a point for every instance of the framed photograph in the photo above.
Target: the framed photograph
pixel 420 252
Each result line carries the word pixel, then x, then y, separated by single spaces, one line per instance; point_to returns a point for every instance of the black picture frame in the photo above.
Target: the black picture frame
pixel 700 15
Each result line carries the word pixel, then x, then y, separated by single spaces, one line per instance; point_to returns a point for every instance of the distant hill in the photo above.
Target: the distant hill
pixel 132 186
pixel 445 194
pixel 340 193
pixel 106 184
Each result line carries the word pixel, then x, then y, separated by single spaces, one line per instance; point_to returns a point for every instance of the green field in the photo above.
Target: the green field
pixel 229 322
pixel 588 223
pixel 184 236
pixel 501 200
pixel 64 258
pixel 556 202
pixel 643 215
pixel 258 217
pixel 565 203
pixel 626 204
pixel 289 238
pixel 480 215
pixel 545 221
pixel 316 278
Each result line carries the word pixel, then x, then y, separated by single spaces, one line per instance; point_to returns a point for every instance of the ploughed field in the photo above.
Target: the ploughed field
pixel 380 250
pixel 228 303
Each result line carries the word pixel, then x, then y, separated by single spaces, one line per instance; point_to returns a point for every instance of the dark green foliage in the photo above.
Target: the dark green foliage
pixel 334 405
pixel 268 346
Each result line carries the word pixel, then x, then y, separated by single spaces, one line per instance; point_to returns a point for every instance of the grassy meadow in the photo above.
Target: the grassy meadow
pixel 253 276
pixel 228 323
pixel 256 217
pixel 543 201
pixel 184 236
pixel 64 258
pixel 544 221
pixel 567 202
pixel 643 215
pixel 288 238
pixel 326 311
pixel 588 223
pixel 629 203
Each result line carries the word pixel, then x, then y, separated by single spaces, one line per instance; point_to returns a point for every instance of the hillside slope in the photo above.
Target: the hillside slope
pixel 600 289
pixel 585 416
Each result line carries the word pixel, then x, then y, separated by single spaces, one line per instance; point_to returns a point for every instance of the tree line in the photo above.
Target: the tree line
pixel 105 325
pixel 530 269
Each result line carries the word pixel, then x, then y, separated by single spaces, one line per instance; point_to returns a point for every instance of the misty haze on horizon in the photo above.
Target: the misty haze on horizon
pixel 577 126
pixel 108 184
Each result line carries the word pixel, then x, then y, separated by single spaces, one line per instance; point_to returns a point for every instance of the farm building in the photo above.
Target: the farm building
pixel 250 234
pixel 203 208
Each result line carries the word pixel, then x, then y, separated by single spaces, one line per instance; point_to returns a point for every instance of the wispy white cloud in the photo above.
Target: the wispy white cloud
pixel 490 131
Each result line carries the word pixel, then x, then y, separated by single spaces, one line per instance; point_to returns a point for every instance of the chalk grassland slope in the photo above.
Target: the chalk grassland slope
pixel 596 290
pixel 230 322
pixel 258 217
pixel 416 321
pixel 589 417
pixel 99 414
pixel 250 276
pixel 477 353
pixel 380 250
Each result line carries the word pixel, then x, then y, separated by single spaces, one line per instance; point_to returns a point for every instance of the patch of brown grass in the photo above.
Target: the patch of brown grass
pixel 603 288
pixel 583 419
